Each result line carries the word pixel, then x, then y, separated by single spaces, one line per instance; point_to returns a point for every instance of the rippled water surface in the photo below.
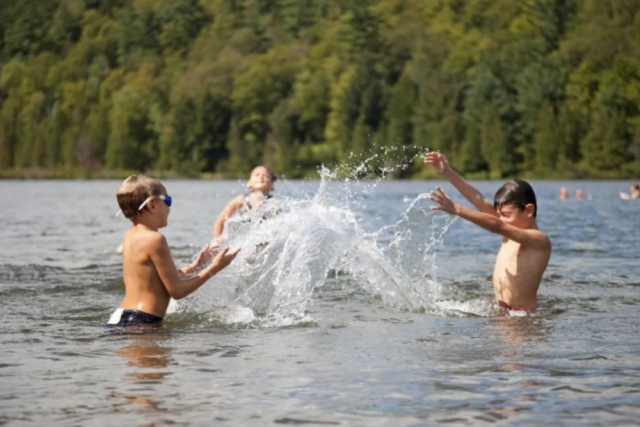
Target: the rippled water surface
pixel 365 309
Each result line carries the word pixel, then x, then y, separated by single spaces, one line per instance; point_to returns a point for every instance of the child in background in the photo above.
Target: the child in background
pixel 150 276
pixel 260 185
pixel 563 194
pixel 525 251
pixel 634 195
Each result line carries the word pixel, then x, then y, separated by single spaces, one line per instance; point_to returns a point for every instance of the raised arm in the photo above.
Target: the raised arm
pixel 227 212
pixel 439 161
pixel 533 238
pixel 179 287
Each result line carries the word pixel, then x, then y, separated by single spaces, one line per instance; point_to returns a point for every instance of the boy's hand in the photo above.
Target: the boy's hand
pixel 438 161
pixel 446 204
pixel 206 255
pixel 223 259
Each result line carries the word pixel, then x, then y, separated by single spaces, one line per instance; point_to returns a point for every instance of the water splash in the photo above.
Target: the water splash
pixel 286 256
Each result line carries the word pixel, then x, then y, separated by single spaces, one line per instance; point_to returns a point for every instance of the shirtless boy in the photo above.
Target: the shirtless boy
pixel 525 250
pixel 260 185
pixel 150 276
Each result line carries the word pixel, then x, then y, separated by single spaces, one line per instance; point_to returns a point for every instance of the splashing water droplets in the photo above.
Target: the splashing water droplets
pixel 286 256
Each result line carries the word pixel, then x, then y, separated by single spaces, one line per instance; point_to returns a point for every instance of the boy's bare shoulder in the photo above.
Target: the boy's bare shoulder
pixel 144 237
pixel 532 238
pixel 542 239
pixel 543 235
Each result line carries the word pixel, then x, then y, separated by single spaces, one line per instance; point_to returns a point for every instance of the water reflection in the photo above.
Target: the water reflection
pixel 145 350
pixel 517 333
pixel 520 330
pixel 148 359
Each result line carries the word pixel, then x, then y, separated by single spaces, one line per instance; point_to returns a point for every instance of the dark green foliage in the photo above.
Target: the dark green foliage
pixel 503 87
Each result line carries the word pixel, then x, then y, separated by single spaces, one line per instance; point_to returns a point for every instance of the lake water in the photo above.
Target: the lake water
pixel 365 309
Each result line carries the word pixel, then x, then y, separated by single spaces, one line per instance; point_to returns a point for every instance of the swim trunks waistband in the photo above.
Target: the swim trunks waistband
pixel 122 317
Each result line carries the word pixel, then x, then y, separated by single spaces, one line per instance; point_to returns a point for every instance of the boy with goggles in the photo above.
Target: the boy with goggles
pixel 150 276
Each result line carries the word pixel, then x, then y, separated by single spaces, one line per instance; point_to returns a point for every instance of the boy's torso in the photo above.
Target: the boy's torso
pixel 144 289
pixel 517 274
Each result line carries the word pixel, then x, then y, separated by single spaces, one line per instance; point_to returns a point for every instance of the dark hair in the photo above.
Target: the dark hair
pixel 518 193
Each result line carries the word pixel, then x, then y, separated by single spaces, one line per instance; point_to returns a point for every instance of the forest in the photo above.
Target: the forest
pixel 533 88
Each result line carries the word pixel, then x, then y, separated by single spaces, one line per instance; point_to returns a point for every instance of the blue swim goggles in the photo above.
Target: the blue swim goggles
pixel 166 199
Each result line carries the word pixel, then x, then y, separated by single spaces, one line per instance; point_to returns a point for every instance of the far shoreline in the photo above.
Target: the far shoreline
pixel 37 174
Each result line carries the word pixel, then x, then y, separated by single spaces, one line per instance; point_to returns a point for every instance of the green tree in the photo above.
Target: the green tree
pixel 495 146
pixel 605 148
pixel 503 87
pixel 547 140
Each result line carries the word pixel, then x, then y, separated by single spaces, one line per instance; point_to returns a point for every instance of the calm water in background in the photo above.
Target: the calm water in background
pixel 356 360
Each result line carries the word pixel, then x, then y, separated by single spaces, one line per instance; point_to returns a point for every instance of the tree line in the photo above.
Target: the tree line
pixel 544 88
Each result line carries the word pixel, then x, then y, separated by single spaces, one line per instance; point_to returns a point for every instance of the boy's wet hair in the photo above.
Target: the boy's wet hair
pixel 134 191
pixel 518 193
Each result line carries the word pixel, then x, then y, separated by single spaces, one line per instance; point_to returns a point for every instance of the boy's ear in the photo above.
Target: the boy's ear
pixel 529 209
pixel 152 204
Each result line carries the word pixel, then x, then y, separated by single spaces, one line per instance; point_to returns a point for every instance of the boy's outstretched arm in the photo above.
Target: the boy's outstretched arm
pixel 180 287
pixel 227 212
pixel 534 238
pixel 440 162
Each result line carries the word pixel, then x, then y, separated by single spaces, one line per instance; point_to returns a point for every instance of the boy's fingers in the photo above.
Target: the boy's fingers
pixel 234 253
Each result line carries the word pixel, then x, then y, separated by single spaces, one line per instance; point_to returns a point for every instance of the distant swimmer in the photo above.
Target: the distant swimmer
pixel 578 194
pixel 563 193
pixel 634 195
